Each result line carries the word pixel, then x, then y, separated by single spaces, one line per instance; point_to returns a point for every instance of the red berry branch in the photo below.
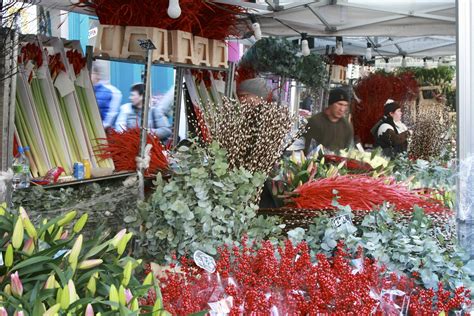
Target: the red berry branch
pixel 285 279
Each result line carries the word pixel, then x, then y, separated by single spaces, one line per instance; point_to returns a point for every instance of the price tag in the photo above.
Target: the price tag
pixel 220 86
pixel 93 32
pixel 81 79
pixel 64 84
pixel 41 72
pixel 204 261
pixel 221 307
pixel 340 220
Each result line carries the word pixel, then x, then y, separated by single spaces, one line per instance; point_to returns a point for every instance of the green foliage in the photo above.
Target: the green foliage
pixel 106 203
pixel 273 55
pixel 311 71
pixel 204 205
pixel 402 246
pixel 424 174
pixel 281 57
pixel 56 265
pixel 440 76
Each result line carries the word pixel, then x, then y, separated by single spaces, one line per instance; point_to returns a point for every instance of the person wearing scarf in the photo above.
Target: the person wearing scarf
pixel 390 133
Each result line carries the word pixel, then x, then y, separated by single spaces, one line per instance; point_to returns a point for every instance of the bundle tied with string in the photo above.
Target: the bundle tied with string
pixel 254 135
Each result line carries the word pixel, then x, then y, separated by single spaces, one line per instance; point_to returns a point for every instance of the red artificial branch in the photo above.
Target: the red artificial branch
pixel 199 17
pixel 31 52
pixel 77 61
pixel 123 148
pixel 55 65
pixel 373 91
pixel 361 193
pixel 351 164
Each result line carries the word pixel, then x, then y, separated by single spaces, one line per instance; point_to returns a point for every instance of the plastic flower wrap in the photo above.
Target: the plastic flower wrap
pixel 287 280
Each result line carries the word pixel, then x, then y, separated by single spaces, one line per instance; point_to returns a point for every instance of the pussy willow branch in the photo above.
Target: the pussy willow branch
pixel 254 135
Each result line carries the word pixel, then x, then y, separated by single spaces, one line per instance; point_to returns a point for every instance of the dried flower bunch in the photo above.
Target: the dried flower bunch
pixel 254 135
pixel 431 133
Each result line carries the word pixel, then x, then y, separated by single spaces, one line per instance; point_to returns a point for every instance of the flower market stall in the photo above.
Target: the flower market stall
pixel 350 232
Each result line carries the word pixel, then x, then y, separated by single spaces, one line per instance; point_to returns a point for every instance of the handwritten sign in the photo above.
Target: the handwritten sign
pixel 204 261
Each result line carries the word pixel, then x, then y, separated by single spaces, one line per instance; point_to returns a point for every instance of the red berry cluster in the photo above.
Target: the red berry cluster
pixel 431 302
pixel 286 279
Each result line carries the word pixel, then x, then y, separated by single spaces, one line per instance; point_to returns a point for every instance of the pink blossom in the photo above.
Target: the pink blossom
pixel 17 286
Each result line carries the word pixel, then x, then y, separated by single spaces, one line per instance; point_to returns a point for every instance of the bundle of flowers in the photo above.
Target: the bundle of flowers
pixel 52 269
pixel 297 169
pixel 352 164
pixel 123 148
pixel 200 17
pixel 285 281
pixel 360 192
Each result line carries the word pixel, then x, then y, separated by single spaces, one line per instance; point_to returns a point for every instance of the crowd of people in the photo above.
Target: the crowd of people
pixel 129 115
pixel 330 128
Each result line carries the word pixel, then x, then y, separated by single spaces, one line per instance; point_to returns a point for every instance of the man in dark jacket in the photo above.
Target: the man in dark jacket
pixel 330 128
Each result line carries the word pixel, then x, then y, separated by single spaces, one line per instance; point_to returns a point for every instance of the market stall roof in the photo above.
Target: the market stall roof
pixel 418 28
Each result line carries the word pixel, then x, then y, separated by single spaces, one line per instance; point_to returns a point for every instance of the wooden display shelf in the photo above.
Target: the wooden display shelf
pixel 161 63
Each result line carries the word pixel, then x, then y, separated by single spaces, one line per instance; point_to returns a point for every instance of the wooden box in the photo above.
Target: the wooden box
pixel 109 40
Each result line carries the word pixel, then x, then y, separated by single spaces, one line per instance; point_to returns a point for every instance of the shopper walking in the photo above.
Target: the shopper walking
pixel 330 128
pixel 390 133
pixel 131 113
pixel 108 97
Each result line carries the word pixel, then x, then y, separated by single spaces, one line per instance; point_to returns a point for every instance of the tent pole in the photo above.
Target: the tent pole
pixel 148 45
pixel 465 117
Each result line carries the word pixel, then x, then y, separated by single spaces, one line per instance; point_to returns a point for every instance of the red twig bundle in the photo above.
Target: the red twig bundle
pixel 373 91
pixel 341 60
pixel 360 193
pixel 124 146
pixel 351 164
pixel 203 131
pixel 200 17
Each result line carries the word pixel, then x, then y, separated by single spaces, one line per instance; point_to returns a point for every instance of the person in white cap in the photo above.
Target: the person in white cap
pixel 390 133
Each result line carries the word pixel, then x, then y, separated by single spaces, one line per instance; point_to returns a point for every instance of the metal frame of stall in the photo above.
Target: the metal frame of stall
pixel 7 105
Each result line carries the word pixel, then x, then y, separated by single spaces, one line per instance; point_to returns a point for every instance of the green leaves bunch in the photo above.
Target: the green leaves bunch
pixel 51 269
pixel 281 57
pixel 403 246
pixel 204 205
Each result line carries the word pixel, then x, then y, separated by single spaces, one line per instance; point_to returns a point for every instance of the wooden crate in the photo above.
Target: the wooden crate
pixel 202 54
pixel 181 47
pixel 109 40
pixel 132 49
pixel 219 54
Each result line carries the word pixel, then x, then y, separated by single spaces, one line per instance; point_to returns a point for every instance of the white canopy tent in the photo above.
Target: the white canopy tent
pixel 417 28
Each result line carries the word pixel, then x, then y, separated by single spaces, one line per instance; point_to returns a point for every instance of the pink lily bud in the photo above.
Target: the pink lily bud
pixel 29 247
pixel 128 296
pixel 3 311
pixel 89 310
pixel 64 235
pixel 17 286
pixel 19 313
